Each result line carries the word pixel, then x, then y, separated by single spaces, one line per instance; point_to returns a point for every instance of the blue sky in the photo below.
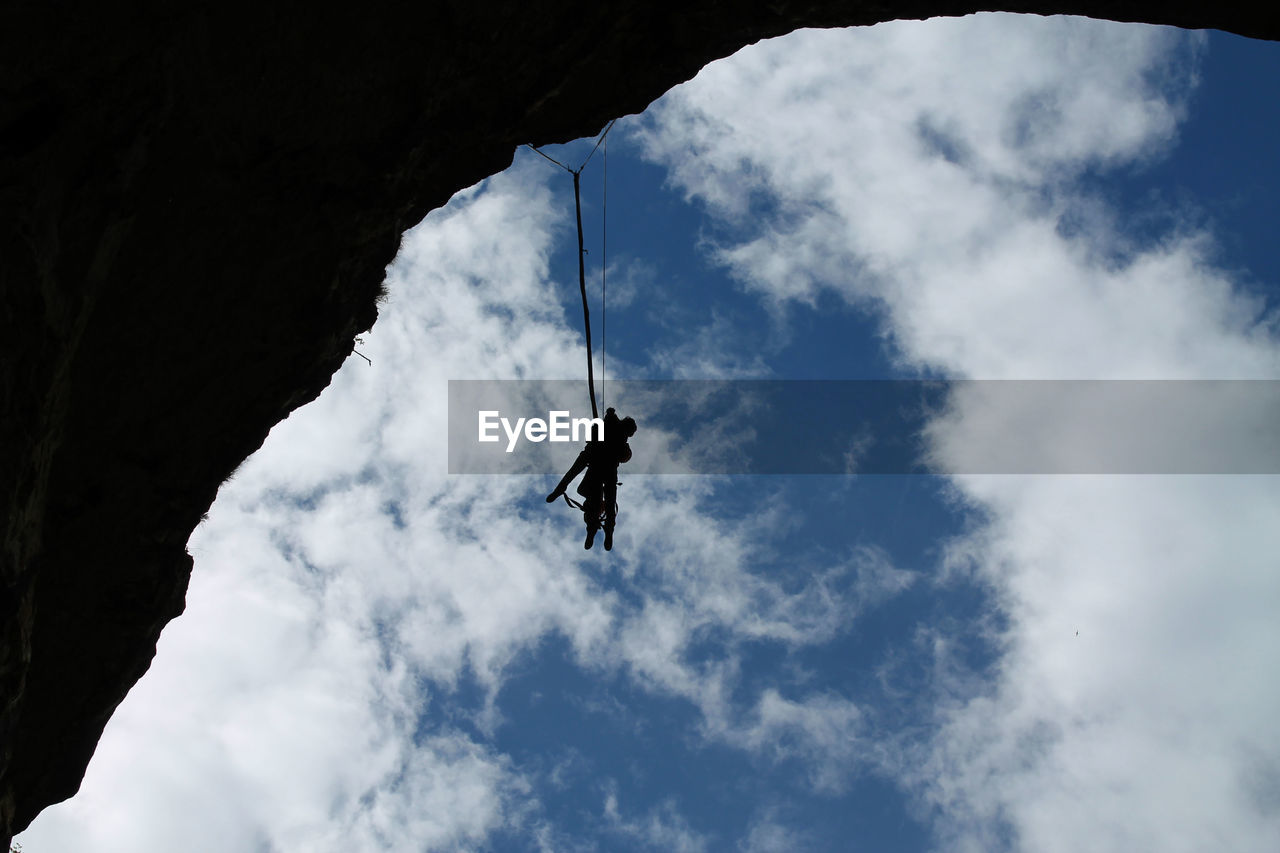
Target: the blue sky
pixel 377 655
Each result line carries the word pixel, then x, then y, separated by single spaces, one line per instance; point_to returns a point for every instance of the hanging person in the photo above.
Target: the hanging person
pixel 599 488
pixel 600 459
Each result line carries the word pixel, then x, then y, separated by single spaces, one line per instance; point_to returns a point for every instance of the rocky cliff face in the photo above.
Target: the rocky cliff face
pixel 197 204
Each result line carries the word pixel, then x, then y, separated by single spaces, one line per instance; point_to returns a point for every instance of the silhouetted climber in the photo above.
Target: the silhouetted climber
pixel 599 488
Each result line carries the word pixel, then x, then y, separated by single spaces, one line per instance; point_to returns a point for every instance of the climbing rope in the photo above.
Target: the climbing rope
pixel 582 284
pixel 582 271
pixel 604 269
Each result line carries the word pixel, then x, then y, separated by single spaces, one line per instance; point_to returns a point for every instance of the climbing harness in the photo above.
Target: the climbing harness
pixel 582 506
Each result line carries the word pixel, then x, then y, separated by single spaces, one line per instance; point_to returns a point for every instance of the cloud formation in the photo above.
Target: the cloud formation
pixel 931 175
pixel 355 613
pixel 357 618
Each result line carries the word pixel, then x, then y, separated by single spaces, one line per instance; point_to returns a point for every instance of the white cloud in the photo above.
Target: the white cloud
pixel 825 732
pixel 966 260
pixel 1151 725
pixel 348 594
pixel 344 586
pixel 767 834
pixel 926 172
pixel 711 351
pixel 661 828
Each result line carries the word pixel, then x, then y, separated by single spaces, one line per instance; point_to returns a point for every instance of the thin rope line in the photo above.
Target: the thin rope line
pixel 578 170
pixel 549 157
pixel 597 145
pixel 582 284
pixel 604 269
pixel 582 281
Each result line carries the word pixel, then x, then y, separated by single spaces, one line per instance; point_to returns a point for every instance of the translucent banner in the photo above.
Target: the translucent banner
pixel 877 426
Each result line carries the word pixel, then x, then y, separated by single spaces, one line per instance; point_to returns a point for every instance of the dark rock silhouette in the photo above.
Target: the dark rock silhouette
pixel 197 203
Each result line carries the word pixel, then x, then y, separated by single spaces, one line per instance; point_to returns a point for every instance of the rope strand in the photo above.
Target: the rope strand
pixel 578 170
pixel 582 284
pixel 604 268
pixel 582 274
pixel 549 157
pixel 608 128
